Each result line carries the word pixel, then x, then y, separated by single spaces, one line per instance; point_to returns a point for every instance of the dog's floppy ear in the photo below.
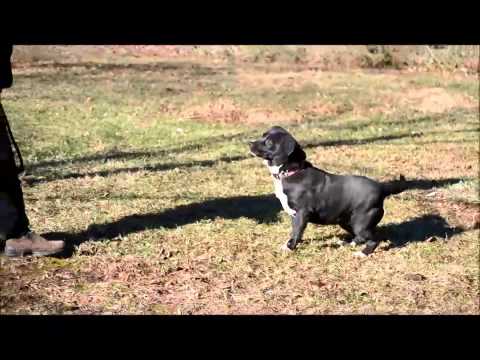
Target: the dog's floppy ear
pixel 289 144
pixel 287 147
pixel 298 154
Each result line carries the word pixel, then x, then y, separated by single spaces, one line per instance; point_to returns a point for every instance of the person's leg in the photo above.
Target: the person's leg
pixel 14 224
pixel 13 218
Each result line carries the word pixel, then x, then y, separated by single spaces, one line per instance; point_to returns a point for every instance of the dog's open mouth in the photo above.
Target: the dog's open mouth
pixel 256 154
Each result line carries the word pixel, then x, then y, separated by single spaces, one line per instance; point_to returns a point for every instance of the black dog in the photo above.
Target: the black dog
pixel 312 195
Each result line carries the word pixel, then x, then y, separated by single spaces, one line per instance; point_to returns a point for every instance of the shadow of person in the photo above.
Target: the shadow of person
pixel 261 208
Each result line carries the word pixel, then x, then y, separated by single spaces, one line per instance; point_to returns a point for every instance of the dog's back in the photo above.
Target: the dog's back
pixel 310 194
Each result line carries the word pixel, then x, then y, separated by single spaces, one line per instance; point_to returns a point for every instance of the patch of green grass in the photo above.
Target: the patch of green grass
pixel 172 215
pixel 465 191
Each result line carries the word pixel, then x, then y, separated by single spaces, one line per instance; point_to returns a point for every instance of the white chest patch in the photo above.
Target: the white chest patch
pixel 277 184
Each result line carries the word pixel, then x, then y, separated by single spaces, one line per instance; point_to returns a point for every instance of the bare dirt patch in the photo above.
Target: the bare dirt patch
pixel 436 100
pixel 228 111
pixel 266 80
pixel 460 214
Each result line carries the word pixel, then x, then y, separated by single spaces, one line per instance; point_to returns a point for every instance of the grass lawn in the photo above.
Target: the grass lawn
pixel 144 169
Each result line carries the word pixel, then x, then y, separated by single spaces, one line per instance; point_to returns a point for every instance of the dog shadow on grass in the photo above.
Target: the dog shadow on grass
pixel 429 228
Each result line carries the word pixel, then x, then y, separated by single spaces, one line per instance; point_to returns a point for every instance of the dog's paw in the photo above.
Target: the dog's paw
pixel 341 242
pixel 359 254
pixel 285 249
pixel 290 212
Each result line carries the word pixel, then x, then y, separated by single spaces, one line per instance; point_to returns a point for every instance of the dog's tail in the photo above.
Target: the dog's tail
pixel 394 187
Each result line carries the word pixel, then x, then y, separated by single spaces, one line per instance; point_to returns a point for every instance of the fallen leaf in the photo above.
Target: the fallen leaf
pixel 415 277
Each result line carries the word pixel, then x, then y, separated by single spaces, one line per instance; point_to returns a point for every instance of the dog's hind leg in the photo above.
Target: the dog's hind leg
pixel 366 237
pixel 350 236
pixel 364 230
pixel 370 246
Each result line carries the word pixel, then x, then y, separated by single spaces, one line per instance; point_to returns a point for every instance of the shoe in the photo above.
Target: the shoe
pixel 33 244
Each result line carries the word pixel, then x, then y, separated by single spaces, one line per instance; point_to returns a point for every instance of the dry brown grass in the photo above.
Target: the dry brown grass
pixel 437 100
pixel 144 169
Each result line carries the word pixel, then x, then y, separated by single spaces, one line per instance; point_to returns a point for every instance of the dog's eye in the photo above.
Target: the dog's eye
pixel 268 142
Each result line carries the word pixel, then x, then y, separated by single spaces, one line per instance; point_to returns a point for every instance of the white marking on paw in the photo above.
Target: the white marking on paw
pixel 359 254
pixel 285 248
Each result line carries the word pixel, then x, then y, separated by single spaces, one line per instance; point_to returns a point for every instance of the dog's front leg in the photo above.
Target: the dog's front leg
pixel 299 223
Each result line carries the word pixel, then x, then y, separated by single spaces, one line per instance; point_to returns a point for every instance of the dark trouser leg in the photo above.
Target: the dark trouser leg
pixel 11 195
pixel 13 219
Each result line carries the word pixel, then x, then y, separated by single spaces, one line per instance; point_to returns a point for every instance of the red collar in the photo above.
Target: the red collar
pixel 285 174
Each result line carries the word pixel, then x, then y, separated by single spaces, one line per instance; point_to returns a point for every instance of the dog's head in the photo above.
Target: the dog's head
pixel 278 147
